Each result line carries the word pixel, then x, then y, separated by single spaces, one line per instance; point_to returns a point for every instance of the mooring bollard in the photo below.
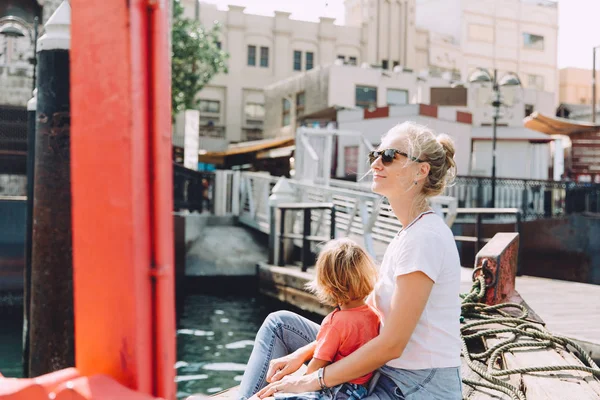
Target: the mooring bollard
pixel 282 192
pixel 500 256
pixel 51 314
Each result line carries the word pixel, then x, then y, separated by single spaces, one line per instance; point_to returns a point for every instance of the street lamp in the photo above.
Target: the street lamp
pixel 481 75
pixel 594 83
pixel 14 27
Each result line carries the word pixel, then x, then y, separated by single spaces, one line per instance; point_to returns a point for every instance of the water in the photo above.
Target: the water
pixel 10 343
pixel 215 334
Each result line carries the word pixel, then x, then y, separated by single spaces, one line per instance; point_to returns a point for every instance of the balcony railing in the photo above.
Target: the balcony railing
pixel 249 134
pixel 212 131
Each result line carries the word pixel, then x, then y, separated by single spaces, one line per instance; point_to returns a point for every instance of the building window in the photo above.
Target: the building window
pixel 286 120
pixel 219 45
pixel 535 42
pixel 309 60
pixel 528 109
pixel 252 56
pixel 366 96
pixel 297 60
pixel 397 97
pixel 210 106
pixel 254 112
pixel 535 81
pixel 352 60
pixel 343 58
pixel 264 57
pixel 300 101
pixel 350 160
pixel 384 64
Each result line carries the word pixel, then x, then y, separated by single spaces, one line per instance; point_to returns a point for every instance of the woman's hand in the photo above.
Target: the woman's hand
pixel 291 384
pixel 283 366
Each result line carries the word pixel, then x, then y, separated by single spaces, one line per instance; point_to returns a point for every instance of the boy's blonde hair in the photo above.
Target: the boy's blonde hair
pixel 344 272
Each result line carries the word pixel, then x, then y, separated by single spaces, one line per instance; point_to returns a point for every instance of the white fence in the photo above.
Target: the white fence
pixel 360 214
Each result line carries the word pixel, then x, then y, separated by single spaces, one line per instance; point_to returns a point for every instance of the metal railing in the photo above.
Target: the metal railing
pixel 212 131
pixel 360 214
pixel 535 198
pixel 192 190
pixel 249 134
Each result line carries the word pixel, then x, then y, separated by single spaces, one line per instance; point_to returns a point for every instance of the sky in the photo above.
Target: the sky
pixel 578 23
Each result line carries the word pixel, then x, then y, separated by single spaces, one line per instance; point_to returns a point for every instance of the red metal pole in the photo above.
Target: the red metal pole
pixel 162 196
pixel 122 188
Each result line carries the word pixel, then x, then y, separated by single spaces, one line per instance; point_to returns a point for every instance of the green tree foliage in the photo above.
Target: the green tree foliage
pixel 196 58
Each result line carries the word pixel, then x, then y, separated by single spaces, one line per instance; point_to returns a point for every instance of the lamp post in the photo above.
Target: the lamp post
pixel 594 83
pixel 14 27
pixel 481 75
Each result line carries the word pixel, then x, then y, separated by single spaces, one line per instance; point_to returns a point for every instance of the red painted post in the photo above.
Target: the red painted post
pixel 501 254
pixel 162 199
pixel 122 193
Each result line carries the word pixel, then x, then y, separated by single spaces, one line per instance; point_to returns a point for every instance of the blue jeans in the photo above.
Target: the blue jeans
pixel 284 332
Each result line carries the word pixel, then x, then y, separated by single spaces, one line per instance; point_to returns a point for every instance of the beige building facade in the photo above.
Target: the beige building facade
pixel 446 38
pixel 519 36
pixel 264 50
pixel 575 86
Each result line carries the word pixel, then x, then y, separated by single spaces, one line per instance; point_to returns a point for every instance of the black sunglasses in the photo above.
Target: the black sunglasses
pixel 388 155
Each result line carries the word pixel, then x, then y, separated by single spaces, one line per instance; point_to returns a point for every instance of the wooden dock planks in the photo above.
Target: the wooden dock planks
pixel 551 300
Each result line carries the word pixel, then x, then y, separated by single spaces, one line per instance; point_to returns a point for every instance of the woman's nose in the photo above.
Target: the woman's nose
pixel 377 164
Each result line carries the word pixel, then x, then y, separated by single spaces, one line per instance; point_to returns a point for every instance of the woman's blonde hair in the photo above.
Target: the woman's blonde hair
pixel 437 151
pixel 344 272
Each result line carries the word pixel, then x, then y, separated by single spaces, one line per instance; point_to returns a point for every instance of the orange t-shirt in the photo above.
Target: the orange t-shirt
pixel 343 332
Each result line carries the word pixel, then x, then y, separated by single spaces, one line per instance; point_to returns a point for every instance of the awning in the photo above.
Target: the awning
pixel 558 126
pixel 276 153
pixel 248 149
pixel 326 113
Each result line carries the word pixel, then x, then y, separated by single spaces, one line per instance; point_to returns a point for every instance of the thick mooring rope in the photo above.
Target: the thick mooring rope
pixel 525 334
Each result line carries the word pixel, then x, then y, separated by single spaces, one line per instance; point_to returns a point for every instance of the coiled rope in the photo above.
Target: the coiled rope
pixel 525 334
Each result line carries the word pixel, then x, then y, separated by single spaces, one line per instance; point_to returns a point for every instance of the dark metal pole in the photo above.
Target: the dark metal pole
pixel 496 103
pixel 34 58
pixel 51 315
pixel 594 84
pixel 31 107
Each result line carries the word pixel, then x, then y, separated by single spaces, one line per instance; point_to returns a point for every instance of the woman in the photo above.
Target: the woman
pixel 417 352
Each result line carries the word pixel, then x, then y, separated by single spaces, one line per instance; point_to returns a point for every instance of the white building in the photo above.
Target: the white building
pixel 357 99
pixel 264 50
pixel 511 35
pixel 453 36
pixel 521 153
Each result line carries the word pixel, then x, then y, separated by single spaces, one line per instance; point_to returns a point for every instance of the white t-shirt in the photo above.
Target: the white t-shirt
pixel 426 245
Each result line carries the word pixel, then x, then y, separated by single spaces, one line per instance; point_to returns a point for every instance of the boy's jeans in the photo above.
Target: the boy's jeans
pixel 284 332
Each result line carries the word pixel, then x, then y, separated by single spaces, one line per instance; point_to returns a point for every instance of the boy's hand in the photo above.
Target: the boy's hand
pixel 280 367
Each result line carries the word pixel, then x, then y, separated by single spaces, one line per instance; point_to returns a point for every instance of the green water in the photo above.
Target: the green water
pixel 10 344
pixel 215 335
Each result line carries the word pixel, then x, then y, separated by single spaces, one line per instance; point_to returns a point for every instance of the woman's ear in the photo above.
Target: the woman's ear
pixel 423 171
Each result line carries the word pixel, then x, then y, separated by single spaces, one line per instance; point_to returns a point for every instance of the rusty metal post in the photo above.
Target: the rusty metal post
pixel 51 314
pixel 500 256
